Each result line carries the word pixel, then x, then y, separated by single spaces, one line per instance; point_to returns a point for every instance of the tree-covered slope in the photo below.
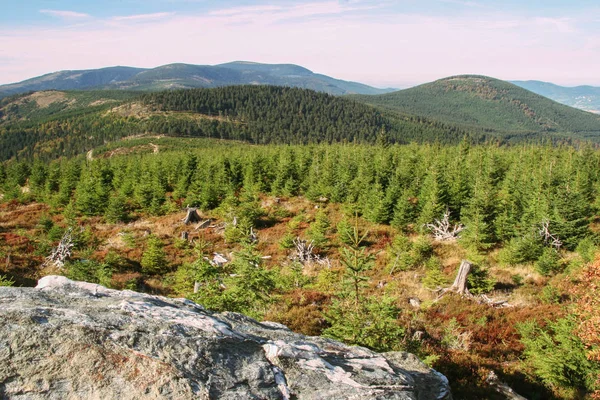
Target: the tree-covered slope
pixel 583 97
pixel 177 76
pixel 490 105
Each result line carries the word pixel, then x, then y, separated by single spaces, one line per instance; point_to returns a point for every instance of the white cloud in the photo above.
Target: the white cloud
pixel 143 17
pixel 381 47
pixel 65 14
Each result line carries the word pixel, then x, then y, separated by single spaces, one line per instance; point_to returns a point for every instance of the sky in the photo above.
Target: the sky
pixel 383 43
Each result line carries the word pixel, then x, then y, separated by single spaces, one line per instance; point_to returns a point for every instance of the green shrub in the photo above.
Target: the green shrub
pixel 549 262
pixel 55 233
pixel 319 229
pixel 434 278
pixel 523 249
pixel 557 355
pixel 550 295
pixel 344 231
pixel 372 323
pixel 90 271
pixel 5 281
pixel 116 211
pixel 287 241
pixel 586 249
pixel 154 258
pixel 479 281
pixel 45 224
pixel 406 255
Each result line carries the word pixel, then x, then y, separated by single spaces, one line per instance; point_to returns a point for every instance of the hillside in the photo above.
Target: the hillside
pixel 489 105
pixel 54 123
pixel 373 276
pixel 174 76
pixel 583 97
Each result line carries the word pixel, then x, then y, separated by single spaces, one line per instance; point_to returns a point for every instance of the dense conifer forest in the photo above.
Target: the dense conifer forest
pixel 48 125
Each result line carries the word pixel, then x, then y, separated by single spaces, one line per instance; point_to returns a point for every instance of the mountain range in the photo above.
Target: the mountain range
pixel 182 76
pixel 50 124
pixel 583 97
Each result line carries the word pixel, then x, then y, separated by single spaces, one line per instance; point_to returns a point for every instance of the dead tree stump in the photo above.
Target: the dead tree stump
pixel 460 283
pixel 192 216
pixel 184 235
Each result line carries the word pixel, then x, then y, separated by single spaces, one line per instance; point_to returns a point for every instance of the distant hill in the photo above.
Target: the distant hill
pixel 484 104
pixel 583 97
pixel 180 76
pixel 51 124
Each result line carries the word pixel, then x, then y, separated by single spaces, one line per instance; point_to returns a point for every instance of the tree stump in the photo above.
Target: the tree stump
pixel 192 216
pixel 184 235
pixel 460 283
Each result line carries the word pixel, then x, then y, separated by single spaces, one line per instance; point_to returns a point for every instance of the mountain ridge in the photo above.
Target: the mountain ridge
pixel 584 97
pixel 184 76
pixel 490 105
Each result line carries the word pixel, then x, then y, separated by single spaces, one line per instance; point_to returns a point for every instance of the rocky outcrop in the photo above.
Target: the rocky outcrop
pixel 73 340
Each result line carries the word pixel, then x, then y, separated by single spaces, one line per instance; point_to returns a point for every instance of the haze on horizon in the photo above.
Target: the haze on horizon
pixel 377 42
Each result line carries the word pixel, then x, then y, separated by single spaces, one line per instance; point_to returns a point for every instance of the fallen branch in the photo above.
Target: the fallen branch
pixel 443 231
pixel 501 387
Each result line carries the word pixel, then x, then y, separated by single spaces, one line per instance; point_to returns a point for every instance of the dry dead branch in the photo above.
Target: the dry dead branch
pixel 443 231
pixel 305 253
pixel 61 253
pixel 548 237
pixel 203 225
pixel 501 387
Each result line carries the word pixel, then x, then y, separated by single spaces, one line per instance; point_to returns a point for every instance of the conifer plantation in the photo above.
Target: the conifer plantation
pixel 338 240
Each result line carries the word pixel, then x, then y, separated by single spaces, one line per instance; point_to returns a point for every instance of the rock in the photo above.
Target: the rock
pixel 72 340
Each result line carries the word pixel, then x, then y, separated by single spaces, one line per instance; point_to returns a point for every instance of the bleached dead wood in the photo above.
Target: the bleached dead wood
pixel 460 287
pixel 61 253
pixel 501 387
pixel 443 231
pixel 304 250
pixel 219 260
pixel 304 253
pixel 192 216
pixel 253 236
pixel 460 282
pixel 203 225
pixel 549 238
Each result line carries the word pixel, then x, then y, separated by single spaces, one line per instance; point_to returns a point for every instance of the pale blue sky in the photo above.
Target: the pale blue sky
pixel 379 42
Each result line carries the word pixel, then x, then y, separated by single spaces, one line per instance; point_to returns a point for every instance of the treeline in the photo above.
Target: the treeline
pixel 502 195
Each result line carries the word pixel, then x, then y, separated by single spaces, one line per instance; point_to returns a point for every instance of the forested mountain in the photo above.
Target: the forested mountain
pixel 490 105
pixel 175 76
pixel 584 97
pixel 52 124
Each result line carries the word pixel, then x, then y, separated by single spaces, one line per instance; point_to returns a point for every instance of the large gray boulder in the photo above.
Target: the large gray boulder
pixel 76 340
